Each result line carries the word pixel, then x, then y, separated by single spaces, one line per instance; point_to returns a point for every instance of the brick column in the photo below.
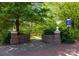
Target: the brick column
pixel 57 38
pixel 14 38
pixel 48 38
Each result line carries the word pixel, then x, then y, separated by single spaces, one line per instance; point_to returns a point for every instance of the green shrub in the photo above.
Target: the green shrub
pixel 49 31
pixel 5 37
pixel 76 33
pixel 67 35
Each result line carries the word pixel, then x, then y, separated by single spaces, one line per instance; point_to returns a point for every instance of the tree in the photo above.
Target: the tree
pixel 14 11
pixel 20 12
pixel 65 10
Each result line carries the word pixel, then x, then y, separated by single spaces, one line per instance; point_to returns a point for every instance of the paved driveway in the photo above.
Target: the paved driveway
pixel 40 49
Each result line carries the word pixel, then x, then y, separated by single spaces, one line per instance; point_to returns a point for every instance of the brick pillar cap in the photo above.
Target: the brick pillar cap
pixel 57 32
pixel 14 32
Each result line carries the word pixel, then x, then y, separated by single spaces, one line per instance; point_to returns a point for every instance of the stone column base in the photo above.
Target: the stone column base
pixel 14 38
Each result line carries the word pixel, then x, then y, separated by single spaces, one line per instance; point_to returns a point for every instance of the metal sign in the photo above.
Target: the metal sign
pixel 68 22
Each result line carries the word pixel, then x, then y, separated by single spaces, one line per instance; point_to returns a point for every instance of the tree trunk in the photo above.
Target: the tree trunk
pixel 17 24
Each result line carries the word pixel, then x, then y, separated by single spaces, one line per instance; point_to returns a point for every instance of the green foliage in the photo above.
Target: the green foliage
pixel 67 35
pixel 63 10
pixel 36 17
pixel 49 31
pixel 5 37
pixel 28 15
pixel 76 33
